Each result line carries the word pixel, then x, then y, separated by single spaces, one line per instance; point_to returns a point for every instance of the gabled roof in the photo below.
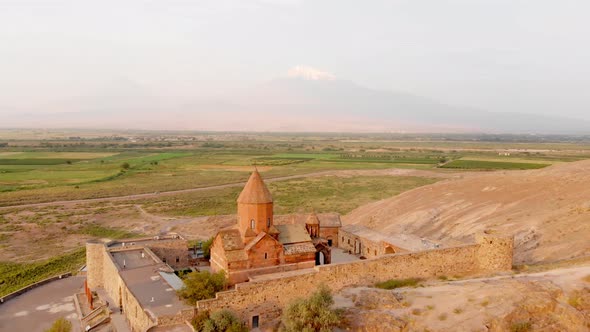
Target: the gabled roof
pixel 292 234
pixel 273 230
pixel 231 239
pixel 255 191
pixel 313 219
pixel 257 239
pixel 329 220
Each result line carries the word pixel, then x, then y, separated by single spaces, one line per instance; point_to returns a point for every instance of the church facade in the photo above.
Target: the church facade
pixel 259 245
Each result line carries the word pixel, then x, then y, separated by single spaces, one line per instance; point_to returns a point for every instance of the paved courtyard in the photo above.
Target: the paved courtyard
pixel 342 256
pixel 37 309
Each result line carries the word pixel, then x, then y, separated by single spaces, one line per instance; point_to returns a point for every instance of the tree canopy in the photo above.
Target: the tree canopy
pixel 202 285
pixel 60 325
pixel 218 321
pixel 311 314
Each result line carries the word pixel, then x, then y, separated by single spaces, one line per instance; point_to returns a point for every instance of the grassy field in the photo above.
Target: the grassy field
pixel 14 276
pixel 93 164
pixel 320 194
pixel 492 165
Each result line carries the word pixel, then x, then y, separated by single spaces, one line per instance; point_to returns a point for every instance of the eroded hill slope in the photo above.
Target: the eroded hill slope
pixel 547 210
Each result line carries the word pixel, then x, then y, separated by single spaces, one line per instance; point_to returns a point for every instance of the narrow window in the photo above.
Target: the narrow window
pixel 177 259
pixel 265 255
pixel 252 223
pixel 375 252
pixel 348 241
pixel 268 222
pixel 164 259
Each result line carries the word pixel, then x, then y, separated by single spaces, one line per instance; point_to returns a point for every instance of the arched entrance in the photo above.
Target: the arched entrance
pixel 323 254
pixel 389 250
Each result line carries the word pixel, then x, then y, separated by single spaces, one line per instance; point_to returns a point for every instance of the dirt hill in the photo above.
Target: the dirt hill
pixel 547 210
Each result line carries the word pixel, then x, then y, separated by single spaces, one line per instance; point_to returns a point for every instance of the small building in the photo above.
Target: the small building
pixel 363 241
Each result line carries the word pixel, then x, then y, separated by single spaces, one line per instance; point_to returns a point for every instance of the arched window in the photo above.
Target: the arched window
pixel 252 224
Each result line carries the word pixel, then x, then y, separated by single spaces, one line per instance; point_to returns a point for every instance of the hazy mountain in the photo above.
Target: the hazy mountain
pixel 308 103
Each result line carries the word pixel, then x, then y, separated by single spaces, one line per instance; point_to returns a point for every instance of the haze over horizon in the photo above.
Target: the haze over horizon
pixel 493 66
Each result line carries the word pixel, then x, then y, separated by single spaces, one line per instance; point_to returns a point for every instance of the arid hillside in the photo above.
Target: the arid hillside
pixel 548 210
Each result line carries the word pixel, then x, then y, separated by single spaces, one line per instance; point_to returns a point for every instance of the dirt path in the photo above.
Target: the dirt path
pixel 344 173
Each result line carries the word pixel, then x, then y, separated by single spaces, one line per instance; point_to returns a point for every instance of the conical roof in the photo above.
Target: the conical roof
pixel 255 191
pixel 313 219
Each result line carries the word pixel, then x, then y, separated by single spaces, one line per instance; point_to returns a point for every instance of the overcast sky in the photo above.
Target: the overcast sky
pixel 498 55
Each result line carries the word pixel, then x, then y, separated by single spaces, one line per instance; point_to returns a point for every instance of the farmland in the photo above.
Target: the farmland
pixel 33 171
pixel 492 165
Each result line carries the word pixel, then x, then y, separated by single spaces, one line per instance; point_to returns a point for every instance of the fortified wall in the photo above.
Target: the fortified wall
pixel 262 299
pixel 103 272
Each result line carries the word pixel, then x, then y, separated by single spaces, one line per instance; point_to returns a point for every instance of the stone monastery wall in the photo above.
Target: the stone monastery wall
pixel 265 297
pixel 103 273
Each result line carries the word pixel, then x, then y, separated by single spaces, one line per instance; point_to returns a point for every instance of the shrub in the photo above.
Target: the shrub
pixel 219 321
pixel 60 325
pixel 397 283
pixel 311 314
pixel 125 166
pixel 202 285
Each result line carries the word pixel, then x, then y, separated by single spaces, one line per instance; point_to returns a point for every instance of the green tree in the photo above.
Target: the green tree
pixel 224 321
pixel 60 325
pixel 311 314
pixel 125 165
pixel 202 285
pixel 206 246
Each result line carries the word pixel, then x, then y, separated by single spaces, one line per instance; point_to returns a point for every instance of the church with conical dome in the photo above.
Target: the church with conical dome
pixel 259 246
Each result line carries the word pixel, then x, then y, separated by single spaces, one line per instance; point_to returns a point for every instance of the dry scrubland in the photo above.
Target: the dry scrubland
pixel 558 300
pixel 547 210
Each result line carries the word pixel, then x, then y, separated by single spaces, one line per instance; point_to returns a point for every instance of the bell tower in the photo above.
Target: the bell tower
pixel 255 208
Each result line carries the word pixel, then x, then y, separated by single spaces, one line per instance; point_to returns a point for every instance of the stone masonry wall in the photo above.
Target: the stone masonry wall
pixel 115 286
pixel 267 296
pixel 173 252
pixel 330 233
pixel 368 248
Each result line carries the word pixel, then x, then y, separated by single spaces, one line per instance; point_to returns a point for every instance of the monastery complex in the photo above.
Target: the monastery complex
pixel 268 261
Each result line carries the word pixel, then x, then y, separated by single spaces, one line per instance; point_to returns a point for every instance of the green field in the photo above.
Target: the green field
pixel 92 169
pixel 492 165
pixel 14 276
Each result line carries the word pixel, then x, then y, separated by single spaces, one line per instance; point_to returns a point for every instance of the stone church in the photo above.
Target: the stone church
pixel 260 246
